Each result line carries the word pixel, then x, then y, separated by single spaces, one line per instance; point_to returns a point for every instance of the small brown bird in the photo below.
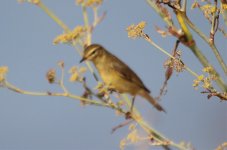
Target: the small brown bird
pixel 116 74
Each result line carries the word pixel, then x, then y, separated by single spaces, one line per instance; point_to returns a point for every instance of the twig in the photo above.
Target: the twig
pixel 169 71
pixel 181 16
pixel 147 38
pixel 61 64
pixel 121 125
pixel 86 22
pixel 213 46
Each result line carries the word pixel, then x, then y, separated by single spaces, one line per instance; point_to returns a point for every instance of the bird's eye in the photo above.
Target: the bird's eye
pixel 93 52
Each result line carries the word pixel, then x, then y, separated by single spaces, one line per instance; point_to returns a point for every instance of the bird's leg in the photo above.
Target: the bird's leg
pixel 128 115
pixel 132 104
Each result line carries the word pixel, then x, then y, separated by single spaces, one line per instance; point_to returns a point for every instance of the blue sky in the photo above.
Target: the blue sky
pixel 56 123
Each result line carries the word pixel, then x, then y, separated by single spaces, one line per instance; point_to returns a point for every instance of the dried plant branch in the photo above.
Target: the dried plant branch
pixel 213 46
pixel 135 116
pixel 87 25
pixel 154 136
pixel 21 91
pixel 188 41
pixel 136 119
pixel 135 31
pixel 169 70
pixel 127 122
pixel 66 29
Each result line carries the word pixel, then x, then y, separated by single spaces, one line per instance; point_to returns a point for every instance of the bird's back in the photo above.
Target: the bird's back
pixel 125 72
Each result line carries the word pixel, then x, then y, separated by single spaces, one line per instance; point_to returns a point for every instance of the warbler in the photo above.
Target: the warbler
pixel 116 75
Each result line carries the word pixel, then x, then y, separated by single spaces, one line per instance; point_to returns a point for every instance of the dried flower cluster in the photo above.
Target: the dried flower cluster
pixel 3 72
pixel 61 64
pixel 205 81
pixel 103 90
pixel 77 33
pixel 133 137
pixel 176 63
pixel 163 33
pixel 30 1
pixel 89 3
pixel 135 31
pixel 208 9
pixel 51 76
pixel 76 73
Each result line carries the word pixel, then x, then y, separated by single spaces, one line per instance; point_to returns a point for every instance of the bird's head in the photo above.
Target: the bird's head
pixel 92 52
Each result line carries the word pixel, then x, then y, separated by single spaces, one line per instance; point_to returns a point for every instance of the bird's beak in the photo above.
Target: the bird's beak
pixel 83 59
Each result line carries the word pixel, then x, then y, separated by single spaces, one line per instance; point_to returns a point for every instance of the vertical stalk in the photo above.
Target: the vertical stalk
pixel 86 22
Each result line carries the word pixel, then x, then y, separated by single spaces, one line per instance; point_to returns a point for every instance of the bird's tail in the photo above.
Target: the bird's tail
pixel 150 99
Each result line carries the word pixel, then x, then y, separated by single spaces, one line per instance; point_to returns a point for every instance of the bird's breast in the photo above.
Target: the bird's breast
pixel 112 79
pixel 107 74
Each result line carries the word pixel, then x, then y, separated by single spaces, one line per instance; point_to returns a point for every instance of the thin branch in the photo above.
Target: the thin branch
pixel 181 16
pixel 86 23
pixel 147 38
pixel 66 29
pixel 169 71
pixel 53 16
pixel 62 79
pixel 21 91
pixel 213 23
pixel 213 46
pixel 125 123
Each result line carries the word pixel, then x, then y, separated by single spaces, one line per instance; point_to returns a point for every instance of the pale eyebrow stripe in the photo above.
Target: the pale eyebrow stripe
pixel 92 50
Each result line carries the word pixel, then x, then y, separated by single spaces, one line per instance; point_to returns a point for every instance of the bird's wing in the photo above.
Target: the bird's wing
pixel 127 73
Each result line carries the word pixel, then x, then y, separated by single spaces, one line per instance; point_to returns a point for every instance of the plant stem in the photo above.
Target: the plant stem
pixel 168 54
pixel 86 22
pixel 213 47
pixel 67 30
pixel 53 16
pixel 150 131
pixel 181 16
pixel 69 95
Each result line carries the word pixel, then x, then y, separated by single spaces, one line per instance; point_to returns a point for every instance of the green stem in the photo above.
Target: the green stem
pixel 213 47
pixel 143 124
pixel 205 63
pixel 181 16
pixel 196 51
pixel 200 56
